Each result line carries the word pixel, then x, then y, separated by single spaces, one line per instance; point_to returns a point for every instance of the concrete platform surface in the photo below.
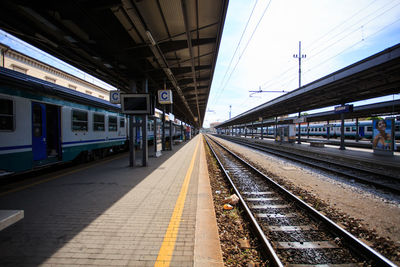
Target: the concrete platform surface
pixel 108 214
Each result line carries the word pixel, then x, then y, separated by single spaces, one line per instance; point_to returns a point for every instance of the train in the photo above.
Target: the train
pixel 333 130
pixel 350 129
pixel 42 123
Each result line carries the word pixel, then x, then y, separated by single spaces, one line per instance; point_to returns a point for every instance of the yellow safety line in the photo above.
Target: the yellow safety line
pixel 57 176
pixel 167 247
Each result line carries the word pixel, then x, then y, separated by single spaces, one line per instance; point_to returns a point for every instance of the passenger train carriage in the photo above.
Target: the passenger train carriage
pixel 42 123
pixel 350 130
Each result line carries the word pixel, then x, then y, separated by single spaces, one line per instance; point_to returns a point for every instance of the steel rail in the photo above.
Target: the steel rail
pixel 321 163
pixel 260 233
pixel 352 242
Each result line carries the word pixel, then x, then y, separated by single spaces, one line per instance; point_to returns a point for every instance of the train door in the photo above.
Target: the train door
pixel 39 146
pixel 53 129
pixel 46 140
pixel 361 131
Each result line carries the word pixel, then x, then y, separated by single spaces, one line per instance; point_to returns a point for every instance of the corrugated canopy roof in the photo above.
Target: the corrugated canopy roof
pixel 375 76
pixel 123 42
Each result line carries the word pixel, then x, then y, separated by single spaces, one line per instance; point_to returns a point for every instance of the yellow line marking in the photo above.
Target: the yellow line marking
pixel 167 247
pixel 57 176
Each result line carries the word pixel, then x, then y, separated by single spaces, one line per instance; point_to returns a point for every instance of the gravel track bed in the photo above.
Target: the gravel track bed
pixel 371 216
pixel 298 236
pixel 244 183
pixel 232 226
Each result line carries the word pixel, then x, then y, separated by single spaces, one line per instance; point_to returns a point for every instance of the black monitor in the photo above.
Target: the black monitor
pixel 136 104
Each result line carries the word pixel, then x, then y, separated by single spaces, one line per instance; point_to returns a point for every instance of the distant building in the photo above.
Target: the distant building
pixel 17 61
pixel 213 125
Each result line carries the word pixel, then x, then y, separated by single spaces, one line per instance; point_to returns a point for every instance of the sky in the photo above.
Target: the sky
pixel 333 35
pixel 260 38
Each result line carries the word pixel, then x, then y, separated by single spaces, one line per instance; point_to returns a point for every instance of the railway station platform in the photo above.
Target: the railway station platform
pixel 107 214
pixel 351 155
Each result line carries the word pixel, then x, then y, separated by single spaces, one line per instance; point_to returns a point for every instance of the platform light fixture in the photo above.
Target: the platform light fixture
pixel 168 70
pixel 151 39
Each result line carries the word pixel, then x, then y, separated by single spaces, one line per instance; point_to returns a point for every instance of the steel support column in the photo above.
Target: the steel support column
pixel 342 147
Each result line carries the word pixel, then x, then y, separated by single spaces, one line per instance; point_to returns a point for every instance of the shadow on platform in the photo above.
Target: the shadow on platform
pixel 69 201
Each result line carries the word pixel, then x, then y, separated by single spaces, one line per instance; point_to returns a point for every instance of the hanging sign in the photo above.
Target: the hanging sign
pixel 115 97
pixel 165 97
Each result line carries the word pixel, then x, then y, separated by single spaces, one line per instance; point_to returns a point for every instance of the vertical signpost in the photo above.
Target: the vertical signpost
pixel 135 104
pixel 165 98
pixel 145 155
pixel 342 110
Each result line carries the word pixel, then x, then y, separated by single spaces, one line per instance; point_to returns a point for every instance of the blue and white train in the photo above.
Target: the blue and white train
pixel 333 129
pixel 42 123
pixel 350 129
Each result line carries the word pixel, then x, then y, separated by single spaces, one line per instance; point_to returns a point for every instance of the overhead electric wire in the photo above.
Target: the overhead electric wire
pixel 240 40
pixel 319 39
pixel 356 29
pixel 381 29
pixel 240 56
pixel 324 49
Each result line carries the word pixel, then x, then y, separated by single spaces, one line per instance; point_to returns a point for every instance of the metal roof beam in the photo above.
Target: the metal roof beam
pixel 189 42
pixel 187 81
pixel 166 47
pixel 184 70
pixel 137 20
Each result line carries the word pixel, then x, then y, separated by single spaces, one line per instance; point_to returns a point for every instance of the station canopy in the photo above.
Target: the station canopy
pixel 125 42
pixel 375 76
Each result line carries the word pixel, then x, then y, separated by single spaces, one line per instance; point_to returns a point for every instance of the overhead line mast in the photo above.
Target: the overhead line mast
pixel 299 56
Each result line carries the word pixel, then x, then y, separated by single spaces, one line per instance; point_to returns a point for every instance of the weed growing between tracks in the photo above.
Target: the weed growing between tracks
pixel 232 225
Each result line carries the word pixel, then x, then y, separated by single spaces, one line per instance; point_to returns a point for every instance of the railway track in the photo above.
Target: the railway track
pixel 292 233
pixel 350 170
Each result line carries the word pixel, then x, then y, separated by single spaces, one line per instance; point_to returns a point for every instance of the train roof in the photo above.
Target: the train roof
pixel 35 85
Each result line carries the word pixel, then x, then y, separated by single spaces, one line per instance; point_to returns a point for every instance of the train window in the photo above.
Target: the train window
pixel 79 120
pixel 37 120
pixel 369 128
pixel 354 129
pixel 112 124
pixel 348 129
pixel 6 115
pixel 121 122
pixel 98 122
pixel 397 128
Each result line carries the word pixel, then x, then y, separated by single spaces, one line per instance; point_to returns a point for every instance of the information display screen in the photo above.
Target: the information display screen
pixel 135 103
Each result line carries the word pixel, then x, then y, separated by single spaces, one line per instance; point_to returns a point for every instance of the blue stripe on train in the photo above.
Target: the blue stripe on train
pixel 15 147
pixel 92 141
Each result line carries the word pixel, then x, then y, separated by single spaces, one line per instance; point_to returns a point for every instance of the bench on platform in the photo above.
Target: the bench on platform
pixel 9 217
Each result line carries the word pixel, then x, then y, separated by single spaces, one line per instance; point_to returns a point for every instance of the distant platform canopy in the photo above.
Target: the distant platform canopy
pixel 375 76
pixel 126 42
